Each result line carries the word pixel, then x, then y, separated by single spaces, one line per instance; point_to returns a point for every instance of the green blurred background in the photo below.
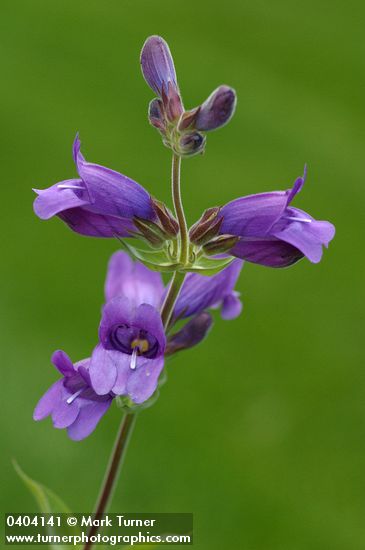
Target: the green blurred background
pixel 261 430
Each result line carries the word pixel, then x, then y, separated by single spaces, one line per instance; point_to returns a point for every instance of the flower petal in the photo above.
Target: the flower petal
pixel 103 370
pixel 297 186
pixel 132 280
pixel 270 252
pixel 112 193
pixel 88 418
pixel 48 401
pixel 96 225
pixel 231 307
pixel 200 292
pixel 157 64
pixel 118 311
pixel 63 363
pixel 122 362
pixel 253 215
pixel 59 197
pixel 191 334
pixel 64 414
pixel 149 319
pixel 142 383
pixel 307 237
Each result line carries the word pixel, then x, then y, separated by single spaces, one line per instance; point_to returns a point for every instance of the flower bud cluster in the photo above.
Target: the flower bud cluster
pixel 181 130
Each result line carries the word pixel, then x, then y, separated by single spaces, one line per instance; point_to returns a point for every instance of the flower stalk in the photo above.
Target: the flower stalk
pixel 179 210
pixel 112 472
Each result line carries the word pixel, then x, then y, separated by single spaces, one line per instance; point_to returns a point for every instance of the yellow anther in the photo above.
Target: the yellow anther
pixel 142 345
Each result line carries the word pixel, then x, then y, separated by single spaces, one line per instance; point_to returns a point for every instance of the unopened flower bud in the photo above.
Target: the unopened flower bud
pixel 220 245
pixel 167 220
pixel 191 334
pixel 157 64
pixel 156 115
pixel 207 227
pixel 191 144
pixel 217 109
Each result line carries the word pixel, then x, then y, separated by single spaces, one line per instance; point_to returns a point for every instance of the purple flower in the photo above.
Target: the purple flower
pixel 71 401
pixel 273 233
pixel 130 355
pixel 200 292
pixel 100 203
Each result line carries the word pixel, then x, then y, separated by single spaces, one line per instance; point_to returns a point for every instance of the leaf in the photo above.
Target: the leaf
pixel 48 502
pixel 209 266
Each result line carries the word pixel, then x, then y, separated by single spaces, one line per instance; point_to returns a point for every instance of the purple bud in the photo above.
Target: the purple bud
pixel 191 334
pixel 191 144
pixel 217 109
pixel 156 115
pixel 157 64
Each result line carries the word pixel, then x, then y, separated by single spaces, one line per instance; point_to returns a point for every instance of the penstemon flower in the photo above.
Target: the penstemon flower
pixel 137 330
pixel 268 230
pixel 71 401
pixel 129 358
pixel 101 202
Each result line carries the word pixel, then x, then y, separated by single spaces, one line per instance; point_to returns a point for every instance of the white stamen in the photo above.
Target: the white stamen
pixel 133 362
pixel 73 397
pixel 64 186
pixel 304 220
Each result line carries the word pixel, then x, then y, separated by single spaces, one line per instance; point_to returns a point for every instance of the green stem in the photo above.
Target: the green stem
pixel 112 472
pixel 179 210
pixel 171 297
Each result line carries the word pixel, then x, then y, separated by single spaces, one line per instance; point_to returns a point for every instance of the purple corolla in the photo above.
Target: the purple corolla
pixel 273 233
pixel 130 355
pixel 100 203
pixel 71 401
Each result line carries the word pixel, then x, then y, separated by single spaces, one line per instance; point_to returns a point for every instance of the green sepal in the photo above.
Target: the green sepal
pixel 208 266
pixel 157 260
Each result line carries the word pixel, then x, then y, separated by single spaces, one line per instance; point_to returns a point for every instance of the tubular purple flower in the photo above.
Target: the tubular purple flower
pixel 217 110
pixel 157 65
pixel 130 355
pixel 271 232
pixel 199 293
pixel 100 203
pixel 191 334
pixel 71 401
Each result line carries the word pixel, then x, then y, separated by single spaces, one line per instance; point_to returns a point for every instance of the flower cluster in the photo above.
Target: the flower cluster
pixel 136 332
pixel 133 343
